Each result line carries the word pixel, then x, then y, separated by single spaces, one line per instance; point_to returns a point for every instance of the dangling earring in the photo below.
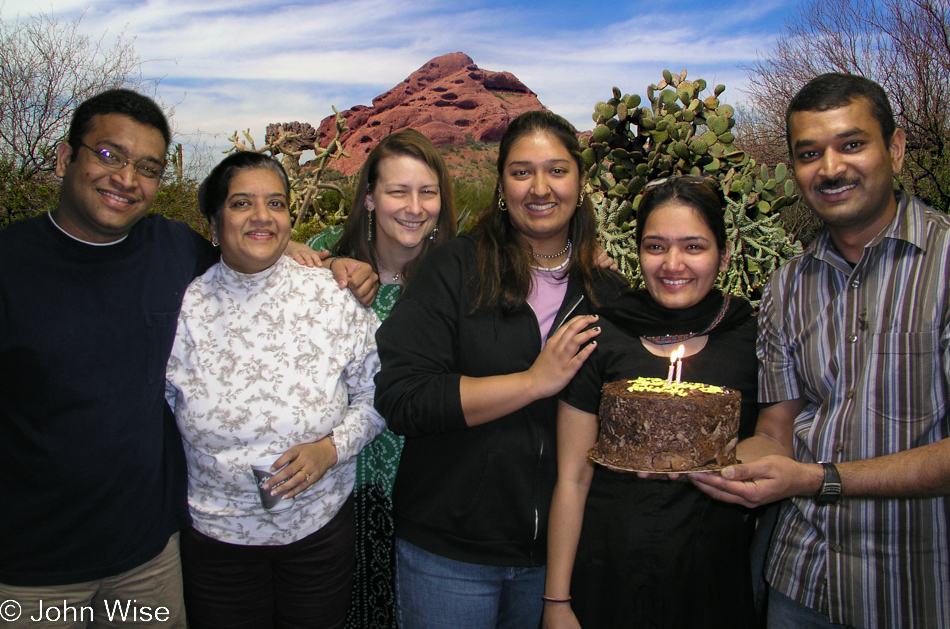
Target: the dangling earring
pixel 433 233
pixel 580 199
pixel 369 227
pixel 214 240
pixel 502 205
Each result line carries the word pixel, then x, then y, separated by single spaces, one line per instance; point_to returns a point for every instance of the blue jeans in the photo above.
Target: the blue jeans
pixel 433 592
pixel 786 613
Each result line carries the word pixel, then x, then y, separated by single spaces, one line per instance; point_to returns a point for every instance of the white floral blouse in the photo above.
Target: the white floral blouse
pixel 262 363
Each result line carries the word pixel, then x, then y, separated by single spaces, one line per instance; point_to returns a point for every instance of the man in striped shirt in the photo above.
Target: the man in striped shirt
pixel 854 350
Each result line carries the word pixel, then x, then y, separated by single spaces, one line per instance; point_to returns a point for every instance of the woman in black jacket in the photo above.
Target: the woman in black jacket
pixel 493 325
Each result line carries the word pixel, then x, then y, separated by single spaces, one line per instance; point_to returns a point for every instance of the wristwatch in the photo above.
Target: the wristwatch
pixel 830 492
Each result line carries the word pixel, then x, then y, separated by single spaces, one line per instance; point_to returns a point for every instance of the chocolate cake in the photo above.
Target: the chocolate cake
pixel 647 426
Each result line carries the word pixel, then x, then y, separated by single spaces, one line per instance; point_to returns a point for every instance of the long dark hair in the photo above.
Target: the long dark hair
pixel 503 262
pixel 410 143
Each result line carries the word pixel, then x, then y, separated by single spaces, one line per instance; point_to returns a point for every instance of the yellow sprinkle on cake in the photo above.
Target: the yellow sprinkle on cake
pixel 658 385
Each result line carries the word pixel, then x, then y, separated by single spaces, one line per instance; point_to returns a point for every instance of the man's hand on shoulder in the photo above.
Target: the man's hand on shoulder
pixel 304 255
pixel 357 276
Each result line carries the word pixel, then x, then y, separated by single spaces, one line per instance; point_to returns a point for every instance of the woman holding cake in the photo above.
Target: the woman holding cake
pixel 626 551
pixel 481 340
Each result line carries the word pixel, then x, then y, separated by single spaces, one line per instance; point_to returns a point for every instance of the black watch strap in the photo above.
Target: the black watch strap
pixel 830 492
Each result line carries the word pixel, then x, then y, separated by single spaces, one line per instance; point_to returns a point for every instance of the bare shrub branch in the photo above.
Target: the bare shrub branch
pixel 902 44
pixel 48 67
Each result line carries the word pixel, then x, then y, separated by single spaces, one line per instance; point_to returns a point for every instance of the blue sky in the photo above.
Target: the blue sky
pixel 238 64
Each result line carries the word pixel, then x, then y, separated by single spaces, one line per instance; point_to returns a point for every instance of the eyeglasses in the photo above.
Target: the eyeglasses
pixel 117 160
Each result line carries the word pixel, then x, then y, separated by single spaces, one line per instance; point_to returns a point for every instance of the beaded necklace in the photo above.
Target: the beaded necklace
pixel 566 248
pixel 679 338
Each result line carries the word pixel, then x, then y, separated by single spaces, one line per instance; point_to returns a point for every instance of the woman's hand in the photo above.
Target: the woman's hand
pixel 487 398
pixel 358 276
pixel 306 464
pixel 604 261
pixel 559 616
pixel 664 477
pixel 563 354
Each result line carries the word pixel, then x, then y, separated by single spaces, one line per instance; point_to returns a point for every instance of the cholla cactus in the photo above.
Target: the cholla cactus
pixel 683 133
pixel 289 141
pixel 617 236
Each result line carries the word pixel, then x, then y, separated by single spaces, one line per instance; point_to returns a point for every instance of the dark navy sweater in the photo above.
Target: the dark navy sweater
pixel 93 474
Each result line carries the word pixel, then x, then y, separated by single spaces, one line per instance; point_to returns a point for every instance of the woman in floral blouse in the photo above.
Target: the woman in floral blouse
pixel 270 358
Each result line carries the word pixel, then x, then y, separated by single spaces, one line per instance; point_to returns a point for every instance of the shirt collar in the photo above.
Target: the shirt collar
pixel 907 225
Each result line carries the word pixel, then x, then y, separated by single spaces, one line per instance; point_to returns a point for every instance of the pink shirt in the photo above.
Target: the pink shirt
pixel 545 298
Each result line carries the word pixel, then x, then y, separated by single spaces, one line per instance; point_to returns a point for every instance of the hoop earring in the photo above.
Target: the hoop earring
pixel 214 240
pixel 433 233
pixel 369 227
pixel 502 205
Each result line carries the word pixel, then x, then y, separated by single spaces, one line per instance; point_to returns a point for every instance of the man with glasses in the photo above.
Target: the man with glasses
pixel 853 346
pixel 93 471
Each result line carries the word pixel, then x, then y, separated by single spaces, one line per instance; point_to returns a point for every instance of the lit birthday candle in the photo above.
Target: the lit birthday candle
pixel 679 353
pixel 669 377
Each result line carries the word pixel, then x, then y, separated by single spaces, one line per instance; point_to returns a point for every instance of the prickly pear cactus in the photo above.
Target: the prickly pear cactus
pixel 679 132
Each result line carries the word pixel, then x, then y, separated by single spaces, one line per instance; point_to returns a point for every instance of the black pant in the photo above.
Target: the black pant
pixel 303 585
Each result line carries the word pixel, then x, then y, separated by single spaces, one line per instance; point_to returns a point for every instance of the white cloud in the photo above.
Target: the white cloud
pixel 237 63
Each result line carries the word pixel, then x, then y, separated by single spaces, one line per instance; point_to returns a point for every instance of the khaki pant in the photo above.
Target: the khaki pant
pixel 147 596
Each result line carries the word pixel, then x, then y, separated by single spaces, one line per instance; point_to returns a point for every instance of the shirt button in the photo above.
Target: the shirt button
pixel 836 548
pixel 839 447
pixel 853 338
pixel 855 283
pixel 850 395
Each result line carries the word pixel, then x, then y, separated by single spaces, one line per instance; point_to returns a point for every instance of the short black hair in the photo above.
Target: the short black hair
pixel 213 191
pixel 838 89
pixel 141 109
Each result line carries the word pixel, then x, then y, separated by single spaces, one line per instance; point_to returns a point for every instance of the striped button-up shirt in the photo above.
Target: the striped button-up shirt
pixel 866 348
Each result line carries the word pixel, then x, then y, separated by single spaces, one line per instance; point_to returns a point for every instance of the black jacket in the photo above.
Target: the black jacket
pixel 481 494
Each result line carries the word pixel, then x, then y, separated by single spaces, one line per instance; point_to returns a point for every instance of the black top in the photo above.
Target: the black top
pixel 481 494
pixel 656 553
pixel 93 468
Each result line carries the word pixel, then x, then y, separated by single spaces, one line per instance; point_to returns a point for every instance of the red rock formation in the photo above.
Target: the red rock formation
pixel 450 100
